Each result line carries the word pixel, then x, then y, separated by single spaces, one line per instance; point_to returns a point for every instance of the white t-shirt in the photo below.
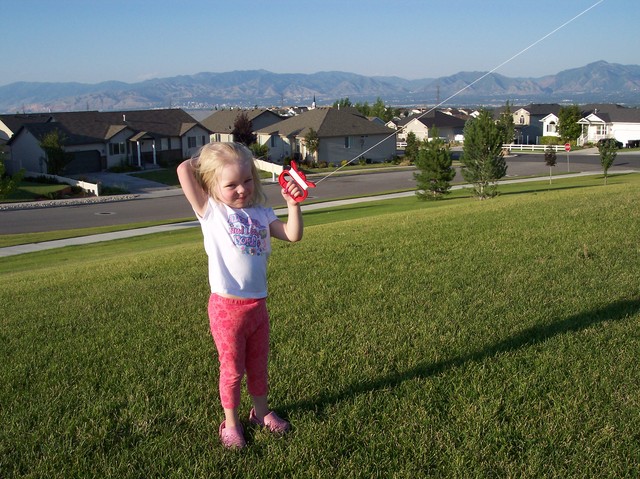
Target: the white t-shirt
pixel 238 244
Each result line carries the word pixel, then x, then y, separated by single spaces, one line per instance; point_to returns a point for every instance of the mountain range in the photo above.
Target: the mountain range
pixel 598 82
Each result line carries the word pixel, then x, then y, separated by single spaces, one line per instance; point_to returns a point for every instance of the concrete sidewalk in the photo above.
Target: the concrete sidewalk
pixel 82 240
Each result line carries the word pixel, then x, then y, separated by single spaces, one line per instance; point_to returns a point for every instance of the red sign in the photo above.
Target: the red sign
pixel 567 147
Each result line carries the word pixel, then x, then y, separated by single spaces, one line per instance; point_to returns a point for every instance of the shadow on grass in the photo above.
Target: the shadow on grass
pixel 544 189
pixel 617 311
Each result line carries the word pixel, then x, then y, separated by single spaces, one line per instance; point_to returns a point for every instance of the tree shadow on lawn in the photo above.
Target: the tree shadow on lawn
pixel 543 189
pixel 617 311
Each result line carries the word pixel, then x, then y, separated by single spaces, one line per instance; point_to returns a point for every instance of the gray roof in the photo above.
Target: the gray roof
pixel 40 130
pixel 156 123
pixel 436 119
pixel 327 122
pixel 612 113
pixel 222 121
pixel 15 122
pixel 83 127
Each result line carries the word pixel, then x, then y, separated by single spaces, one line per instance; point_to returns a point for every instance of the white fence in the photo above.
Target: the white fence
pixel 272 168
pixel 514 147
pixel 88 187
pixel 401 145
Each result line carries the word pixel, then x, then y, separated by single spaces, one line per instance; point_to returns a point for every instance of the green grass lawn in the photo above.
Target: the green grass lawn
pixel 29 191
pixel 339 213
pixel 451 339
pixel 167 176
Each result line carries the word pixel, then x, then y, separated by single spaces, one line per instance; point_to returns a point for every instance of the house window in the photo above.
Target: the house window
pixel 551 127
pixel 202 140
pixel 273 141
pixel 347 142
pixel 521 119
pixel 116 148
pixel 191 141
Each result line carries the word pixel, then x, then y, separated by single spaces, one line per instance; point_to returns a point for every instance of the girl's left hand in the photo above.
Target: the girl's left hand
pixel 291 192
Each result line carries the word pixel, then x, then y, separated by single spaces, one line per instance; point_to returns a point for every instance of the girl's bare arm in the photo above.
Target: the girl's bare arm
pixel 191 188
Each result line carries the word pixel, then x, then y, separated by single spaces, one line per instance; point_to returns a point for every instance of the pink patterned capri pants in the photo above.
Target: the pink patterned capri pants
pixel 240 329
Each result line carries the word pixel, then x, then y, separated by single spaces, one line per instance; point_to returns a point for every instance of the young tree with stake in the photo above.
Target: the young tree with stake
pixel 550 158
pixel 436 172
pixel 608 152
pixel 483 162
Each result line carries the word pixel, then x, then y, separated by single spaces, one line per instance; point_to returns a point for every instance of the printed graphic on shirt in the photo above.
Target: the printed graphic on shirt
pixel 249 235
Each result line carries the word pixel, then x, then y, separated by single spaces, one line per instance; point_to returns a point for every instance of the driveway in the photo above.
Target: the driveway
pixel 130 183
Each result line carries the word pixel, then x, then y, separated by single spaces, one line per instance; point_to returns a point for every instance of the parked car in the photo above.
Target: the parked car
pixel 603 140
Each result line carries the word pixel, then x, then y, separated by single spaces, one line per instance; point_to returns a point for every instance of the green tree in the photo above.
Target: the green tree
pixel 342 102
pixel 8 184
pixel 379 109
pixel 56 157
pixel 436 172
pixel 550 158
pixel 506 125
pixel 258 150
pixel 312 142
pixel 413 145
pixel 483 162
pixel 364 109
pixel 608 151
pixel 568 127
pixel 243 130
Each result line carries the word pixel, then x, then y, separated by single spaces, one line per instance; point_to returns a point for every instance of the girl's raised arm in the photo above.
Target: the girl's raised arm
pixel 191 188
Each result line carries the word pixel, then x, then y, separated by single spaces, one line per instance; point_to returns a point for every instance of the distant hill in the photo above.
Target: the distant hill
pixel 598 82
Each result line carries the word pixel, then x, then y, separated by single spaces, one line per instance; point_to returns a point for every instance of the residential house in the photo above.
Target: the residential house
pixel 102 140
pixel 421 125
pixel 550 125
pixel 529 124
pixel 343 134
pixel 9 125
pixel 610 121
pixel 221 122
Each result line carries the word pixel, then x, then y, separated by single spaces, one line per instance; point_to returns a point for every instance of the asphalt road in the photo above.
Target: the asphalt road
pixel 171 204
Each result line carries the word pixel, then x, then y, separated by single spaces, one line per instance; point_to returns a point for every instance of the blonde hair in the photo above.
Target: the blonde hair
pixel 210 160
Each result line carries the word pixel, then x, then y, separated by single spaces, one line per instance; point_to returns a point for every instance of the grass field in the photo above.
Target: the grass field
pixel 29 190
pixel 457 339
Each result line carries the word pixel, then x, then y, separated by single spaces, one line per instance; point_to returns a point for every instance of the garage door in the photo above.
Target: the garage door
pixel 84 162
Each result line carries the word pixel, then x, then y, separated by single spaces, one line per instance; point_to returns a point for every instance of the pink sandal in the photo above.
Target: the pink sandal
pixel 272 421
pixel 232 437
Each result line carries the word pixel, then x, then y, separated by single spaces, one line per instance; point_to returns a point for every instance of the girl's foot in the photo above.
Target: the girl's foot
pixel 232 436
pixel 272 421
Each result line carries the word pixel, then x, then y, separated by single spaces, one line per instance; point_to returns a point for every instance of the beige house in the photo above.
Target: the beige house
pixel 344 134
pixel 221 122
pixel 422 126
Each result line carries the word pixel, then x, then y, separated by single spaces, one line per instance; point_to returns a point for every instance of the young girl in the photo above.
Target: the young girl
pixel 223 187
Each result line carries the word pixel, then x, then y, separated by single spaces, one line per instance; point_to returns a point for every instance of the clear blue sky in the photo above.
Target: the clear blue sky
pixel 90 41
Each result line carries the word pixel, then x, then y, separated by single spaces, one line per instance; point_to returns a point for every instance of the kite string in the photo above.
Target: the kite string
pixel 463 89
